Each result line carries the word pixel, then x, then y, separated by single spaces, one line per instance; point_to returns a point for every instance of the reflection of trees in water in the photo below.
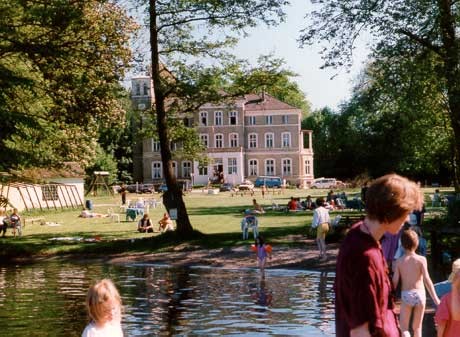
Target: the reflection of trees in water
pixel 161 301
pixel 50 293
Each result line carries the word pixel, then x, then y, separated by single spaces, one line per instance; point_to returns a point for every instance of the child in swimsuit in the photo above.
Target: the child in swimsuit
pixel 263 251
pixel 412 270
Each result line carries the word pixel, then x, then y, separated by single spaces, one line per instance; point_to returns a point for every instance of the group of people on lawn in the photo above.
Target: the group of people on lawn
pixel 164 224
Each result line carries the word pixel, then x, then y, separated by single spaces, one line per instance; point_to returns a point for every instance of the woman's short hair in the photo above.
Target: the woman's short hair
pixel 392 196
pixel 409 239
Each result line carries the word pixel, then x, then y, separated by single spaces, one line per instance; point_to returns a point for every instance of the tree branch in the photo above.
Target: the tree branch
pixel 424 42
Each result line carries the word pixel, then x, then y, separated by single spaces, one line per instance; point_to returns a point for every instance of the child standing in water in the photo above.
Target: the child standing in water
pixel 103 304
pixel 263 251
pixel 412 269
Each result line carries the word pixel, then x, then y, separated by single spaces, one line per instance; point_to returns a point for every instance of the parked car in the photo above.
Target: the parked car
pixel 327 183
pixel 268 181
pixel 246 185
pixel 146 188
pixel 162 188
pixel 226 187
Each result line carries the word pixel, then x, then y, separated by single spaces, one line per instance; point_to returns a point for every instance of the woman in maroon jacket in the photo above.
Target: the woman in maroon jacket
pixel 363 300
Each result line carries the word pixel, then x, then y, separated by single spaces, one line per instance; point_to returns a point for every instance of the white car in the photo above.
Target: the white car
pixel 246 185
pixel 324 183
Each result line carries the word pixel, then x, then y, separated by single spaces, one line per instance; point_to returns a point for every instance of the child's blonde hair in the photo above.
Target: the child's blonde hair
pixel 100 300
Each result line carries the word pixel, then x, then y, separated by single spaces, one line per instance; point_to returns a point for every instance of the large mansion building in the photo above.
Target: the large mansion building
pixel 256 135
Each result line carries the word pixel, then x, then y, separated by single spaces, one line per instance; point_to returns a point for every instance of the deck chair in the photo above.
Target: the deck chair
pixel 113 216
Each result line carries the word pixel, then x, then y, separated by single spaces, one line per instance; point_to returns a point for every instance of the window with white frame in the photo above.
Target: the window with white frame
pixel 146 89
pixel 285 119
pixel 203 170
pixel 155 145
pixel 138 89
pixel 269 120
pixel 233 140
pixel 269 167
pixel 287 167
pixel 252 120
pixel 186 169
pixel 232 168
pixel 232 120
pixel 219 140
pixel 253 167
pixel 218 118
pixel 204 137
pixel 203 118
pixel 307 167
pixel 157 171
pixel 269 140
pixel 286 139
pixel 252 140
pixel 174 167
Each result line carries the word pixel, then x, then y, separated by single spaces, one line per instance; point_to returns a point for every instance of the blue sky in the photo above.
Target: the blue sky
pixel 281 40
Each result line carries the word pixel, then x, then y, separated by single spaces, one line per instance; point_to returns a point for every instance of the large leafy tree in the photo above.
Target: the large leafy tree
pixel 184 34
pixel 60 63
pixel 405 28
pixel 396 107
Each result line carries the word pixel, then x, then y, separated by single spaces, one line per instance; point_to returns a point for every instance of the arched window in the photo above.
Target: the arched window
pixel 252 140
pixel 269 167
pixel 253 167
pixel 233 140
pixel 157 171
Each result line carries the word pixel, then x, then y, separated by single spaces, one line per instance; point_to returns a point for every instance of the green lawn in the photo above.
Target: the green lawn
pixel 216 219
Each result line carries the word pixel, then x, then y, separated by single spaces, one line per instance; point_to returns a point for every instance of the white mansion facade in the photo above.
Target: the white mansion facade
pixel 256 135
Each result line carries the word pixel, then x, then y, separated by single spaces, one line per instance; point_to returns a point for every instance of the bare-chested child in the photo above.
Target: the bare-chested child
pixel 412 270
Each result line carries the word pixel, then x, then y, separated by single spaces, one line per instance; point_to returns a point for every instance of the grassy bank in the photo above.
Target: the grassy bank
pixel 215 218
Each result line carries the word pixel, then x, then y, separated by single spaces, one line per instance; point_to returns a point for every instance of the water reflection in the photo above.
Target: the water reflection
pixel 160 301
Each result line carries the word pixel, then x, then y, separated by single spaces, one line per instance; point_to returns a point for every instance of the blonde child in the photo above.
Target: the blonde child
pixel 103 304
pixel 412 270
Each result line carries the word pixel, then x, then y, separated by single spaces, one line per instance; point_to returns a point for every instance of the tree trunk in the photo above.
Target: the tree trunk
pixel 172 198
pixel 451 63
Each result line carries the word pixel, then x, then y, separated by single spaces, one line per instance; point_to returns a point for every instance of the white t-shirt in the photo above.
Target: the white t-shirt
pixel 110 329
pixel 320 215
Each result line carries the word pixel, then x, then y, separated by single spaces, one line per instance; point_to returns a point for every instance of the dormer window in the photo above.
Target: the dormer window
pixel 203 118
pixel 232 118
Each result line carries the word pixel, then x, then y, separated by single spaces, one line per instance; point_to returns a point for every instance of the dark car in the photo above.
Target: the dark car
pixel 146 188
pixel 226 187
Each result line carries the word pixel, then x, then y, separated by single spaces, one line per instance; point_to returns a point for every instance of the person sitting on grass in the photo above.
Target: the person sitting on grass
pixel 3 222
pixel 257 208
pixel 165 223
pixel 88 214
pixel 145 225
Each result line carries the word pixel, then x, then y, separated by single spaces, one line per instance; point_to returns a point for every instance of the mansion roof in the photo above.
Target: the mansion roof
pixel 258 102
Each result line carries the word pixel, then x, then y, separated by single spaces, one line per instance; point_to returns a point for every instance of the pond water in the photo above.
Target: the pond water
pixel 47 299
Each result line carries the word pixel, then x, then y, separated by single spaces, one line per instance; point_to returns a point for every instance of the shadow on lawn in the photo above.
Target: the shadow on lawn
pixel 38 246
